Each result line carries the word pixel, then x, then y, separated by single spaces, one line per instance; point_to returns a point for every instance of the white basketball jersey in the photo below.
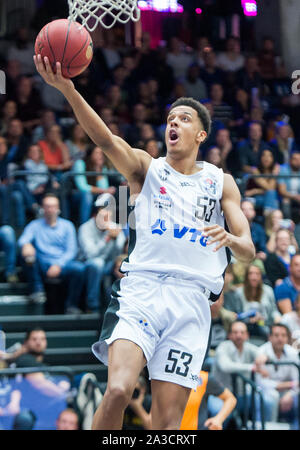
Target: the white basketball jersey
pixel 166 225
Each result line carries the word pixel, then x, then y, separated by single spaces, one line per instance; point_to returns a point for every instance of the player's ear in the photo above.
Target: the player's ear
pixel 201 136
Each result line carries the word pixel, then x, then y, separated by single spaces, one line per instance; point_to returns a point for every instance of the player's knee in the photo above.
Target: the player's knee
pixel 118 395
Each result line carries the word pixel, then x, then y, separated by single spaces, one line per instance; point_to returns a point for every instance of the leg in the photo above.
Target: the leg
pixel 8 244
pixel 33 275
pixel 168 404
pixel 125 362
pixel 73 273
pixel 85 206
pixel 4 204
pixel 94 273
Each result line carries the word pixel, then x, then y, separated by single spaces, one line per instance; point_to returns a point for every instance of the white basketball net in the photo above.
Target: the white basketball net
pixel 102 11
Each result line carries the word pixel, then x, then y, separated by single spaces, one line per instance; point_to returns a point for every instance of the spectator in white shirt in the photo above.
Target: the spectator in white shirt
pixel 231 60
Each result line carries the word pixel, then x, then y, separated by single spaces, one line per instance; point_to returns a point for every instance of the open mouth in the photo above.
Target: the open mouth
pixel 173 136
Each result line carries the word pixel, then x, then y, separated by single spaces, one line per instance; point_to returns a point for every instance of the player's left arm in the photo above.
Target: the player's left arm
pixel 238 239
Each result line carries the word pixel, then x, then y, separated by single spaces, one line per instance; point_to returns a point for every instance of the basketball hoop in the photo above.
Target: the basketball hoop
pixel 105 12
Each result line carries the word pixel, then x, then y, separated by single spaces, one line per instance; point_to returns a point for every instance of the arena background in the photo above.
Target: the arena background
pixel 239 58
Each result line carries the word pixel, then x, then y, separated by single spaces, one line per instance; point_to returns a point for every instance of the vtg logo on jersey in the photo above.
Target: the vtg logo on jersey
pixel 159 227
pixel 210 186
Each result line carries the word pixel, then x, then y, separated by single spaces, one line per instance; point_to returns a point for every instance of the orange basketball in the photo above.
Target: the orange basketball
pixel 66 42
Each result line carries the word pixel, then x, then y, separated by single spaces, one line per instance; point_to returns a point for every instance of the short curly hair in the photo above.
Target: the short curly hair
pixel 202 111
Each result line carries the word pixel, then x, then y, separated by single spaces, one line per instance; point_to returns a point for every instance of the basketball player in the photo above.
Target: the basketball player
pixel 159 313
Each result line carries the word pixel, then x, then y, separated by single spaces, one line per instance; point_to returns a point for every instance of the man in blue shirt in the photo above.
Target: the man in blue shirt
pixel 49 248
pixel 287 292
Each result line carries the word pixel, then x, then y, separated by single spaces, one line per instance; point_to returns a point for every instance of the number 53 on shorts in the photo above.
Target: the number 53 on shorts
pixel 180 362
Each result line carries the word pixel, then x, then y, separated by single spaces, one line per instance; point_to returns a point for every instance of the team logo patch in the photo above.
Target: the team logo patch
pixel 210 186
pixel 163 174
pixel 159 227
pixel 163 190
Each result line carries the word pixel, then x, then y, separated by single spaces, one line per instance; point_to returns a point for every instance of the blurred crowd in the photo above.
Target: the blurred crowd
pixel 53 181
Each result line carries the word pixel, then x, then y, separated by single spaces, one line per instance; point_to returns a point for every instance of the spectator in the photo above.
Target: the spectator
pixel 45 396
pixel 28 103
pixel 4 191
pixel 250 149
pixel 100 241
pixel 16 141
pixel 47 119
pixel 289 187
pixel 237 355
pixel 21 51
pixel 55 152
pixel 137 415
pixel 92 185
pixel 228 153
pixel 264 190
pixel 267 60
pixel 213 156
pixel 257 232
pixel 177 58
pixel 36 183
pixel 151 146
pixel 12 72
pixel 210 73
pixel 284 143
pixel 78 143
pixel 231 60
pixel 287 292
pixel 278 262
pixel 196 414
pixel 273 223
pixel 67 420
pixel 9 112
pixel 49 248
pixel 194 86
pixel 222 111
pixel 280 382
pixel 258 298
pixel 249 77
pixel 241 112
pixel 8 246
pixel 202 46
pixel 292 321
pixel 139 117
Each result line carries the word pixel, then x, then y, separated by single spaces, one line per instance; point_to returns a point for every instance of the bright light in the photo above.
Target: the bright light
pixel 198 11
pixel 160 5
pixel 250 7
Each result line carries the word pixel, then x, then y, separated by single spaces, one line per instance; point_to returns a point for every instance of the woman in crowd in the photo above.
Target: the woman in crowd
pixel 264 189
pixel 78 143
pixel 90 186
pixel 257 299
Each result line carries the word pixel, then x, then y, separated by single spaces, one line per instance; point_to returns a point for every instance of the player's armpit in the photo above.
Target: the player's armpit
pixel 241 242
pixel 131 162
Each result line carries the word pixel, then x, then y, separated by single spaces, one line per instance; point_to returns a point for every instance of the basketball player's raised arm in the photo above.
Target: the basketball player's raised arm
pixel 238 239
pixel 132 163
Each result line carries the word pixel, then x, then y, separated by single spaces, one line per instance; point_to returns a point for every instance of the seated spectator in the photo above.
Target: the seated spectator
pixel 201 47
pixel 231 60
pixel 17 142
pixel 44 395
pixel 280 383
pixel 151 146
pixel 278 262
pixel 21 51
pixel 241 112
pixel 194 86
pixel 287 292
pixel 78 143
pixel 12 72
pixel 222 111
pixel 9 112
pixel 67 420
pixel 139 117
pixel 90 186
pixel 289 187
pixel 38 182
pixel 249 76
pixel 257 232
pixel 292 321
pixel 284 143
pixel 28 103
pixel 234 356
pixel 4 191
pixel 213 156
pixel 8 246
pixel 267 60
pixel 177 58
pixel 55 152
pixel 257 299
pixel 264 190
pixel 100 241
pixel 47 119
pixel 197 413
pixel 49 248
pixel 215 126
pixel 211 73
pixel 250 149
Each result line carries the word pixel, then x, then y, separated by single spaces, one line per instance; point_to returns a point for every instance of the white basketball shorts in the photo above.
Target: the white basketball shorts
pixel 169 318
